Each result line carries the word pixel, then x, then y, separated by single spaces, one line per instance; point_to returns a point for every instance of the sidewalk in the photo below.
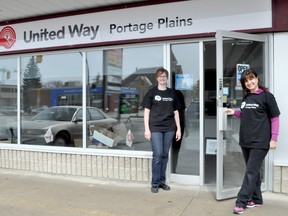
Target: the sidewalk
pixel 33 194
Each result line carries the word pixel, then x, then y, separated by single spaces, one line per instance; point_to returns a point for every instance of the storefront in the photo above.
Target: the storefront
pixel 71 89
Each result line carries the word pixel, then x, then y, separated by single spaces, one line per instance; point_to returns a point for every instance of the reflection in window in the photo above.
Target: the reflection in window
pixel 118 81
pixel 8 99
pixel 94 66
pixel 185 78
pixel 95 114
pixel 47 81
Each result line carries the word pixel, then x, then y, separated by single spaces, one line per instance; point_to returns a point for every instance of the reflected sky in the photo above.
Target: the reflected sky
pixel 68 66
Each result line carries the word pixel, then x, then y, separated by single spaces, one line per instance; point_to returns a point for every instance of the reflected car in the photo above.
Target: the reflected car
pixel 3 135
pixel 60 125
pixel 36 109
pixel 6 118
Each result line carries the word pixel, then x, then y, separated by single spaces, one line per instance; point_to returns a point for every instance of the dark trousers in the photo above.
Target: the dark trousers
pixel 251 186
pixel 161 143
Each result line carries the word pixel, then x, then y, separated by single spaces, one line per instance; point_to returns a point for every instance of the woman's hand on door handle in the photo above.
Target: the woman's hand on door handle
pixel 229 111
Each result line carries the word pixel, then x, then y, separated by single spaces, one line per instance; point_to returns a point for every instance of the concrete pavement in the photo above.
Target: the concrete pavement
pixel 34 194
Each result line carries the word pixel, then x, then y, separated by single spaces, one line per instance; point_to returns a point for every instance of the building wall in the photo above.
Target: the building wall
pixel 100 167
pixel 280 179
pixel 94 166
pixel 138 169
pixel 280 81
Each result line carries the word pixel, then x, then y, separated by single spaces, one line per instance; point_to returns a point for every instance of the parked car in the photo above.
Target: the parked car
pixel 60 125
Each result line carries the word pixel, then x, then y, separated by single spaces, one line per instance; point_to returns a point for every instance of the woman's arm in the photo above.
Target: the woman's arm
pixel 274 128
pixel 274 132
pixel 236 113
pixel 147 132
pixel 177 121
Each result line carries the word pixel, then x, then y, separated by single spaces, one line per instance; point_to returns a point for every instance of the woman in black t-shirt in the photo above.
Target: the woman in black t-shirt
pixel 161 120
pixel 259 128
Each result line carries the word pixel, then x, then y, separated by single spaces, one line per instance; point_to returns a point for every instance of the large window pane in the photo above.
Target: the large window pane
pixel 237 53
pixel 104 69
pixel 8 97
pixel 46 82
pixel 139 66
pixel 185 78
pixel 118 81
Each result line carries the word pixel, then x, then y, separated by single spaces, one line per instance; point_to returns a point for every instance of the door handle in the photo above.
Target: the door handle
pixel 222 119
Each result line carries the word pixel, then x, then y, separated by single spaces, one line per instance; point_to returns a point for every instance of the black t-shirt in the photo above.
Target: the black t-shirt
pixel 162 104
pixel 255 128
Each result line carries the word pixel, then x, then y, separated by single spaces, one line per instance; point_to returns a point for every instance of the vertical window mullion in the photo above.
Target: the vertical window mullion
pixel 84 97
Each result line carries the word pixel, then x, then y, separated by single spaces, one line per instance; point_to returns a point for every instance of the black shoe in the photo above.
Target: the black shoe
pixel 154 189
pixel 164 186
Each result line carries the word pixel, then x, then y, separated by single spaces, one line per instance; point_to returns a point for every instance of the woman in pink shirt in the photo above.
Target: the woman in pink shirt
pixel 259 115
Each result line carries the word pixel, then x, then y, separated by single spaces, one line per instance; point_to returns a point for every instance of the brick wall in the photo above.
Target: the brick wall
pixel 280 181
pixel 98 166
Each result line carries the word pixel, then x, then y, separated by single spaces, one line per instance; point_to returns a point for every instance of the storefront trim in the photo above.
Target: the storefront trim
pixel 103 27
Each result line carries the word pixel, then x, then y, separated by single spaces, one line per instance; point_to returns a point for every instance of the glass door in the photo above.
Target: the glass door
pixel 235 52
pixel 185 78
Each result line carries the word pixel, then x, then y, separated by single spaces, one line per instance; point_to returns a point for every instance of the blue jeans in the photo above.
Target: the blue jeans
pixel 251 186
pixel 161 143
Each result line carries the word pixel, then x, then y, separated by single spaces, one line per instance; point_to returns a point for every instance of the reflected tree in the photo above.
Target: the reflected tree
pixel 32 75
pixel 31 82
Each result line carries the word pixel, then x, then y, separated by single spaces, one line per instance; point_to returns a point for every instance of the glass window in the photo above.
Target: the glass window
pixel 139 66
pixel 118 80
pixel 185 79
pixel 48 81
pixel 8 98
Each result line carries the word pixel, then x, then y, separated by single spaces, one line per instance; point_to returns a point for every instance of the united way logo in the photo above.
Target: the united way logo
pixel 7 37
pixel 243 104
pixel 157 98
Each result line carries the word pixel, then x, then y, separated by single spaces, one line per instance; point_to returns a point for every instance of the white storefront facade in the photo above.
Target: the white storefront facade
pixel 106 60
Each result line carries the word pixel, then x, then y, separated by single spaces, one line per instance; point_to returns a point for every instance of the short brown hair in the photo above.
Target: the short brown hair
pixel 161 71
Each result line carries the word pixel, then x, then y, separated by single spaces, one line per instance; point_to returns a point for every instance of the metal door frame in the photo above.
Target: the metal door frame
pixel 222 193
